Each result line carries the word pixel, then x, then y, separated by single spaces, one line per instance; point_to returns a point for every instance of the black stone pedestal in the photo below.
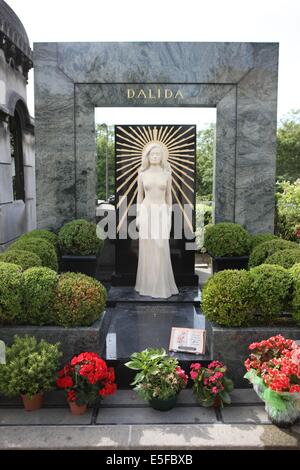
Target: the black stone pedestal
pixel 187 295
pixel 128 279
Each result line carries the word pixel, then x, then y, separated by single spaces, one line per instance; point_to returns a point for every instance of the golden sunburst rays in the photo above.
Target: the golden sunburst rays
pixel 130 142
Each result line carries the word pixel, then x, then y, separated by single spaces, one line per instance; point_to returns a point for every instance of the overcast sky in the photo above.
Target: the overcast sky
pixel 170 20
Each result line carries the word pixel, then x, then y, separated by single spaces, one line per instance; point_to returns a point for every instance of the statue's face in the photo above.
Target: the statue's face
pixel 155 156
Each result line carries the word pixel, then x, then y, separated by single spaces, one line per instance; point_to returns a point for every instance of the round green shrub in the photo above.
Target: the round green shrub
pixel 272 285
pixel 39 291
pixel 10 293
pixel 79 238
pixel 40 247
pixel 50 237
pixel 30 367
pixel 24 259
pixel 227 298
pixel 227 239
pixel 285 258
pixel 261 238
pixel 80 300
pixel 264 250
pixel 295 272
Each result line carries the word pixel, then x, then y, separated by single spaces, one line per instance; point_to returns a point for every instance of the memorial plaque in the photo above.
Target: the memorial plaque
pixel 188 340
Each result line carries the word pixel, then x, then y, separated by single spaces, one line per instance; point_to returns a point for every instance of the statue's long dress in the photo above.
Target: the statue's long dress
pixel 155 276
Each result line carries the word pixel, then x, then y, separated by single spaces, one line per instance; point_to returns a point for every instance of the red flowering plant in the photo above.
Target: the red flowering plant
pixel 273 367
pixel 86 379
pixel 211 386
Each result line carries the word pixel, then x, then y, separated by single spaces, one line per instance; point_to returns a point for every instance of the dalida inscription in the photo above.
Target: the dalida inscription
pixel 151 94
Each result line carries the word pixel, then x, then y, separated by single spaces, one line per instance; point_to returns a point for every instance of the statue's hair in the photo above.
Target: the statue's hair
pixel 145 156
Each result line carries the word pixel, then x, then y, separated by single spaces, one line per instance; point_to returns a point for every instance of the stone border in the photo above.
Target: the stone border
pixel 72 340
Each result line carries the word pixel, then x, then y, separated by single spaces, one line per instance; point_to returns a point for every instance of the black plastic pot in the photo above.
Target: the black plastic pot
pixel 79 264
pixel 163 405
pixel 220 263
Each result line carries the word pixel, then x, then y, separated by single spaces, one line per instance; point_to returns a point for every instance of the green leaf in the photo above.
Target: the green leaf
pixel 135 365
pixel 225 397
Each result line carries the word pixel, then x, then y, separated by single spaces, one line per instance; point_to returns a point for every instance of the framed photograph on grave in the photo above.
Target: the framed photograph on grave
pixel 188 340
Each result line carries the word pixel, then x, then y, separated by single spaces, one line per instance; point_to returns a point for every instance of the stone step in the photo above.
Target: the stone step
pixel 187 294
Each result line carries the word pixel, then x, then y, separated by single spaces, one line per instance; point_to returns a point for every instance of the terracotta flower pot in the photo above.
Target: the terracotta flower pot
pixel 77 409
pixel 34 403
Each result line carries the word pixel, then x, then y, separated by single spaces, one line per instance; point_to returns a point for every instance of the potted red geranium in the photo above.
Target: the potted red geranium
pixel 211 386
pixel 86 379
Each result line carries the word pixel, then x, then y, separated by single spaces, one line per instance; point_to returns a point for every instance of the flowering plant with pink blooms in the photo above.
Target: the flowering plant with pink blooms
pixel 211 385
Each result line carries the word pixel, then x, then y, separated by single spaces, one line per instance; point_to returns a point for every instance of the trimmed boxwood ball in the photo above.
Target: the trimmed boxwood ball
pixel 295 272
pixel 10 293
pixel 227 298
pixel 285 258
pixel 261 238
pixel 272 285
pixel 50 237
pixel 264 250
pixel 79 238
pixel 227 239
pixel 80 300
pixel 39 291
pixel 40 247
pixel 24 259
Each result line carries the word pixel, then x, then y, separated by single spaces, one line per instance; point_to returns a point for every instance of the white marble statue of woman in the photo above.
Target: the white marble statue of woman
pixel 155 276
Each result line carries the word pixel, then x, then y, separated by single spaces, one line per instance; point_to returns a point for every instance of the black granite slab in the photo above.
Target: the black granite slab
pixel 137 326
pixel 187 295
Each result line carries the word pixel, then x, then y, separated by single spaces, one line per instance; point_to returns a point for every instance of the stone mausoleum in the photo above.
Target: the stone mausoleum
pixel 238 79
pixel 17 160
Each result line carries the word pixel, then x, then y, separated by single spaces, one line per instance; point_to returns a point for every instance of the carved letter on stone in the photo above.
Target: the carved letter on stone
pixel 130 93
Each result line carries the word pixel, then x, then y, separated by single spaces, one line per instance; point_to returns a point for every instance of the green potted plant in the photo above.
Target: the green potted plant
pixel 86 379
pixel 30 370
pixel 228 244
pixel 211 385
pixel 159 378
pixel 79 246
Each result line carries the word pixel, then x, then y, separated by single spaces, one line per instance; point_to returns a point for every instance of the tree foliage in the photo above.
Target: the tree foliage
pixel 204 162
pixel 288 148
pixel 105 146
